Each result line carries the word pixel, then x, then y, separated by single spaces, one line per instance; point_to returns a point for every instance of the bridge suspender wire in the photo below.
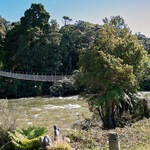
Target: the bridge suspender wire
pixel 34 77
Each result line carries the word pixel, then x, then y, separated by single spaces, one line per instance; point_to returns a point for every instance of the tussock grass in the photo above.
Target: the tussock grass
pixel 7 123
pixel 60 145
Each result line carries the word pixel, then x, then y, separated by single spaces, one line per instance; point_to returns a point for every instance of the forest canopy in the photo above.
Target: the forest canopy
pixel 36 44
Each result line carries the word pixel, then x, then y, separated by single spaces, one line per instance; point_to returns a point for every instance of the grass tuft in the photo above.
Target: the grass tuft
pixel 60 145
pixel 132 137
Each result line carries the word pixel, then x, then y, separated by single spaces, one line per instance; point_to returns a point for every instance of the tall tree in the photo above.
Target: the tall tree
pixel 36 15
pixel 111 70
pixel 75 37
pixel 66 20
pixel 145 41
pixel 4 27
pixel 32 46
pixel 66 47
pixel 54 27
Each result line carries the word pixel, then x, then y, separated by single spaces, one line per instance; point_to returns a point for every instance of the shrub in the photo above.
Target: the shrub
pixel 135 137
pixel 82 139
pixel 64 87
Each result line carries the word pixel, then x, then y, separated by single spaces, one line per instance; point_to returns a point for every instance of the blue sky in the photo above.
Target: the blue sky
pixel 135 12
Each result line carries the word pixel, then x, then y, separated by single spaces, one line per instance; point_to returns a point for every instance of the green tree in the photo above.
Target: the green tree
pixel 32 45
pixel 36 15
pixel 66 48
pixel 66 20
pixel 4 27
pixel 142 39
pixel 75 37
pixel 54 27
pixel 110 70
pixel 11 47
pixel 40 52
pixel 18 38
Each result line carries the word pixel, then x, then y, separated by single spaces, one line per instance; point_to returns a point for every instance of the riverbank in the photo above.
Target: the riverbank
pixel 65 111
pixel 135 137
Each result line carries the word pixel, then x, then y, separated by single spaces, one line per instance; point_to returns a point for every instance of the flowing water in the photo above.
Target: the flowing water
pixel 46 112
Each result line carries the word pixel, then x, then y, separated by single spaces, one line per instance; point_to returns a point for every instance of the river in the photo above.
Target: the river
pixel 46 112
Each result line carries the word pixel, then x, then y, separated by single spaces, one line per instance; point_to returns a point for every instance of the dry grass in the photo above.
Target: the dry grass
pixel 6 123
pixel 60 145
pixel 132 137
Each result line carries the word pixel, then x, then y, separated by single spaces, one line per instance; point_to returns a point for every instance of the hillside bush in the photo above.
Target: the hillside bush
pixel 64 87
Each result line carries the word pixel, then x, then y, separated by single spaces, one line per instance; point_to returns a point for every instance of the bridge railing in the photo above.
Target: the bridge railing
pixel 34 77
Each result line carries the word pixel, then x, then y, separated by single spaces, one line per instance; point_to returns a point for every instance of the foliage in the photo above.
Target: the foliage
pixel 40 52
pixel 88 124
pixel 81 139
pixel 4 26
pixel 27 139
pixel 31 46
pixel 134 137
pixel 111 70
pixel 141 110
pixel 64 87
pixel 75 37
pixel 19 88
pixel 36 44
pixel 66 20
pixel 145 85
pixel 36 15
pixel 145 41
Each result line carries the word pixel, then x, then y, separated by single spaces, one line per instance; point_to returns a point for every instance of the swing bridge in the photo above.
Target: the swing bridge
pixel 35 77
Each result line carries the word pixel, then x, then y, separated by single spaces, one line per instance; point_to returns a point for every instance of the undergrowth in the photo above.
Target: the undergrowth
pixel 60 145
pixel 132 137
pixel 27 139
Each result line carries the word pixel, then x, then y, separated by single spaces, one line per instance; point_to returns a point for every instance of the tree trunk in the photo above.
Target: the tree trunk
pixel 108 120
pixel 70 63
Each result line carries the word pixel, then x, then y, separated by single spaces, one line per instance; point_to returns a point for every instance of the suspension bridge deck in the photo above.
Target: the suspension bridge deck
pixel 34 77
